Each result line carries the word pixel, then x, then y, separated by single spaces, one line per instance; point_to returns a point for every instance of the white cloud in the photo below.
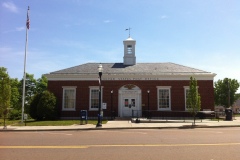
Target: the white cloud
pixel 17 29
pixel 164 17
pixel 10 6
pixel 20 28
pixel 107 21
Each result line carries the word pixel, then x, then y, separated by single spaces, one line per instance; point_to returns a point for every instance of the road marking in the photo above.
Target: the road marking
pixel 117 145
pixel 42 147
pixel 66 134
pixel 45 132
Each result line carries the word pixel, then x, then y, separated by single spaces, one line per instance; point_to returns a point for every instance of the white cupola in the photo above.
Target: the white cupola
pixel 129 51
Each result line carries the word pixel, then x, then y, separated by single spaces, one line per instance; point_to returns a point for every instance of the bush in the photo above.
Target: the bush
pixel 33 106
pixel 14 114
pixel 43 106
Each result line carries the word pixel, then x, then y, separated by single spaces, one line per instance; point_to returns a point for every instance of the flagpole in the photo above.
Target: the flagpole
pixel 25 61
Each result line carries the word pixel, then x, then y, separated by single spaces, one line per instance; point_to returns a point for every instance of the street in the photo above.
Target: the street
pixel 177 144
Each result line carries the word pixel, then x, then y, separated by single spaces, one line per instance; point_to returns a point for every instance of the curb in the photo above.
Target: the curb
pixel 116 128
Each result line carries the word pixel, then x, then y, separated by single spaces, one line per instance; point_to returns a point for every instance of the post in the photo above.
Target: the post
pixel 99 124
pixel 4 123
pixel 148 103
pixel 228 95
pixel 25 61
pixel 111 103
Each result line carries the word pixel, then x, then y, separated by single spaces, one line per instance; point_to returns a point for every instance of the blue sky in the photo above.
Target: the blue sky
pixel 202 34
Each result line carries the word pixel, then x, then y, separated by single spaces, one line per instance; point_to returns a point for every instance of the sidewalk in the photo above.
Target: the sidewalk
pixel 144 124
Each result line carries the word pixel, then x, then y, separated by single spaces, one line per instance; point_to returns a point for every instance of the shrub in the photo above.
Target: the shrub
pixel 14 114
pixel 43 106
pixel 33 106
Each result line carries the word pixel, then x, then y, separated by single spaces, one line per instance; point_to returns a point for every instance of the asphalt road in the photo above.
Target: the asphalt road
pixel 167 144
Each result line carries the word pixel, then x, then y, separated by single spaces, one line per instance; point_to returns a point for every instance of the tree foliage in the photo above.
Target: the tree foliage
pixel 13 88
pixel 33 106
pixel 15 94
pixel 193 98
pixel 5 92
pixel 30 88
pixel 41 84
pixel 43 106
pixel 225 92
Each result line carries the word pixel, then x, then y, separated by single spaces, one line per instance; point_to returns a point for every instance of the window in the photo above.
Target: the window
pixel 164 98
pixel 94 98
pixel 129 103
pixel 186 90
pixel 129 49
pixel 69 98
pixel 126 102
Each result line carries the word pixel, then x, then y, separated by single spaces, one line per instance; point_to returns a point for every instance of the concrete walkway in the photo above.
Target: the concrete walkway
pixel 125 124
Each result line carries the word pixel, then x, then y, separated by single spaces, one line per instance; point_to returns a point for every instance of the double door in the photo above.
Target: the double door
pixel 129 107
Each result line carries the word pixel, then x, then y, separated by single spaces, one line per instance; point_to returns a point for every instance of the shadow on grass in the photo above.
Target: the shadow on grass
pixel 33 122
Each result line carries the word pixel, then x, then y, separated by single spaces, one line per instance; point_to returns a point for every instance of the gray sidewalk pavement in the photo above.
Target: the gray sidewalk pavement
pixel 128 124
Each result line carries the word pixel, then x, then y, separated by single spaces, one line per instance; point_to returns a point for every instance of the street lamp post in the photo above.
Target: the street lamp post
pixel 111 103
pixel 228 93
pixel 148 103
pixel 100 69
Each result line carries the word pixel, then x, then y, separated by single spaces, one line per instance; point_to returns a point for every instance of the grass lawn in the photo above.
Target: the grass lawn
pixel 48 123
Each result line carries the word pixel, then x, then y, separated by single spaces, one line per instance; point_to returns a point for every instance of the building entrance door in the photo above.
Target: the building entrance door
pixel 130 101
pixel 129 105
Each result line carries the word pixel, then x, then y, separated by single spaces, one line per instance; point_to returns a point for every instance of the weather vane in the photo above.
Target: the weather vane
pixel 129 31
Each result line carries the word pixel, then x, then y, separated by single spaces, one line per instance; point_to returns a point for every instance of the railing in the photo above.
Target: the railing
pixel 165 115
pixel 149 114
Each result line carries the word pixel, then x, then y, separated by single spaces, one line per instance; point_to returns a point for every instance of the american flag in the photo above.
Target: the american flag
pixel 28 20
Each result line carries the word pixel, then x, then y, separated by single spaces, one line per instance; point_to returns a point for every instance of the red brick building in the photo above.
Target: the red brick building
pixel 129 88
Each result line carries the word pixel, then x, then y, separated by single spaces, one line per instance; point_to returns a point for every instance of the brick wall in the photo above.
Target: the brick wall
pixel 177 94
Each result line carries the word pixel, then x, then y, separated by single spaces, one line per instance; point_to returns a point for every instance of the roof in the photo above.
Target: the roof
pixel 139 68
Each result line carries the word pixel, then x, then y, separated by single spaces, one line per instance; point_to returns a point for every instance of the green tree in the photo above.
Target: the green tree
pixel 5 92
pixel 237 95
pixel 225 92
pixel 15 112
pixel 193 99
pixel 15 95
pixel 30 90
pixel 33 106
pixel 41 84
pixel 43 106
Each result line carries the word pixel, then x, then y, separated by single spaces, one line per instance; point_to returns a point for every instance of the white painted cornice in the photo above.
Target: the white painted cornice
pixel 133 77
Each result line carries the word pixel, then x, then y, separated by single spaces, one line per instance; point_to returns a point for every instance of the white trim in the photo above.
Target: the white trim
pixel 186 87
pixel 189 87
pixel 131 76
pixel 164 88
pixel 90 95
pixel 134 93
pixel 69 87
pixel 63 98
pixel 185 95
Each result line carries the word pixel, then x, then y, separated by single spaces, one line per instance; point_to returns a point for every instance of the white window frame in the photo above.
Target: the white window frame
pixel 90 95
pixel 164 88
pixel 129 49
pixel 74 88
pixel 185 95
